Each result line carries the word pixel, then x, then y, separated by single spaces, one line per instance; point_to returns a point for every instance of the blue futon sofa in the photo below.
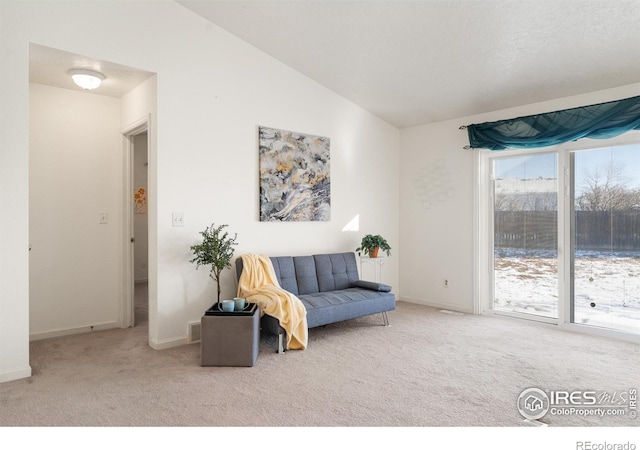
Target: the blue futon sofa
pixel 330 289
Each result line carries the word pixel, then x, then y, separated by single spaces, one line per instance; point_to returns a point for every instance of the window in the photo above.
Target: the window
pixel 605 238
pixel 525 234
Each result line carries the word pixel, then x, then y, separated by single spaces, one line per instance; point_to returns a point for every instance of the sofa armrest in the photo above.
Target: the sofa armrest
pixel 372 285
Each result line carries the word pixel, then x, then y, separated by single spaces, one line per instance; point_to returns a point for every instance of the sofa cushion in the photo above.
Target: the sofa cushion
pixel 336 271
pixel 306 274
pixel 328 307
pixel 285 272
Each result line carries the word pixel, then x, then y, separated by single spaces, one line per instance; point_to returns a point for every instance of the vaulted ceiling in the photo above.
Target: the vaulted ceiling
pixel 416 62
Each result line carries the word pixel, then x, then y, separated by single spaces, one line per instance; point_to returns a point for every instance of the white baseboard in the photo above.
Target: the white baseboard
pixel 75 330
pixel 439 305
pixel 156 345
pixel 15 374
pixel 168 343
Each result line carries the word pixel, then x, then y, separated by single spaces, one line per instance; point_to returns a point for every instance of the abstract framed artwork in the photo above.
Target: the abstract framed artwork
pixel 295 182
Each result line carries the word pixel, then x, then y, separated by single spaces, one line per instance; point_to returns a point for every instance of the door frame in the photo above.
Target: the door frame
pixel 128 286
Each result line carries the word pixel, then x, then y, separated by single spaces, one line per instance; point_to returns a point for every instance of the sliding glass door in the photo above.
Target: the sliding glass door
pixel 525 235
pixel 606 238
pixel 563 236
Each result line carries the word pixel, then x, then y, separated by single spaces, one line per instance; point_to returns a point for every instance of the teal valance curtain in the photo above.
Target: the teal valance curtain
pixel 601 121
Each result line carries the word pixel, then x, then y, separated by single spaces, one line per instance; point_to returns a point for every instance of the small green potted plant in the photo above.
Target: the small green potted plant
pixel 371 244
pixel 216 250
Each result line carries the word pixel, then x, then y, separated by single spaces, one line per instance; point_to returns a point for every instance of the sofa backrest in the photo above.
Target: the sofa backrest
pixel 285 273
pixel 336 271
pixel 311 274
pixel 305 275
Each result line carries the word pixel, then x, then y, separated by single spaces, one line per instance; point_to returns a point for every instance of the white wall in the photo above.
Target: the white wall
pixel 437 201
pixel 14 204
pixel 75 174
pixel 213 91
pixel 436 210
pixel 141 105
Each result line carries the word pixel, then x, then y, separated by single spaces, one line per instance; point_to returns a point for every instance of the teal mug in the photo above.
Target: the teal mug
pixel 228 305
pixel 239 303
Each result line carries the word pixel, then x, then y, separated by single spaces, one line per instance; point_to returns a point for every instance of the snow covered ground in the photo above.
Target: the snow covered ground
pixel 607 286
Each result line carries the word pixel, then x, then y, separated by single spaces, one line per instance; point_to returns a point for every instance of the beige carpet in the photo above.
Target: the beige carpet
pixel 428 369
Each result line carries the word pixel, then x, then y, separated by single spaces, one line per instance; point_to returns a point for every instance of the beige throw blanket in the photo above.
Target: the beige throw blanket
pixel 258 284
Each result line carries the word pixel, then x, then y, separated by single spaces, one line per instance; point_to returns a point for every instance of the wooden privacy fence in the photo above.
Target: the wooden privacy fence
pixel 594 230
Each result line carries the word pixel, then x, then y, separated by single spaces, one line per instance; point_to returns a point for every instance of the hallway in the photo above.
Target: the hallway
pixel 141 306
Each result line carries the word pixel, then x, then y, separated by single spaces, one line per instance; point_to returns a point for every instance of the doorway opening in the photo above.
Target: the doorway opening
pixel 140 230
pixel 136 307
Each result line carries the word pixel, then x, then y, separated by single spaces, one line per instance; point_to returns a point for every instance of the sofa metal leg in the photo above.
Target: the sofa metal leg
pixel 280 343
pixel 385 319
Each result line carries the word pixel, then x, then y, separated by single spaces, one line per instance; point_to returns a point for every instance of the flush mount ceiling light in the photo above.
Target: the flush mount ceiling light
pixel 86 79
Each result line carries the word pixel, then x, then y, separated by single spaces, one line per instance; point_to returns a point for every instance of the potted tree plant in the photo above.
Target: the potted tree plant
pixel 371 244
pixel 216 250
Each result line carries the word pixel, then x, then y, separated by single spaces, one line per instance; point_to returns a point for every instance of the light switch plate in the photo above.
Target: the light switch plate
pixel 177 219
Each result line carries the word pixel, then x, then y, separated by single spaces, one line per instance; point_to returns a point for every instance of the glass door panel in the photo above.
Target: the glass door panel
pixel 606 238
pixel 525 235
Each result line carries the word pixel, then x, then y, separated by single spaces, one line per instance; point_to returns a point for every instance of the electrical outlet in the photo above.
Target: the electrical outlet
pixel 445 283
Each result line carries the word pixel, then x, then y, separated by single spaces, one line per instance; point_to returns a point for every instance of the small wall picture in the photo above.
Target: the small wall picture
pixel 295 180
pixel 140 200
